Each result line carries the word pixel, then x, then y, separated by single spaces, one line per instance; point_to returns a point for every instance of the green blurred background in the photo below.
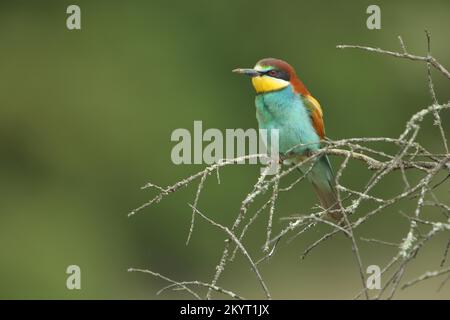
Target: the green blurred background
pixel 86 118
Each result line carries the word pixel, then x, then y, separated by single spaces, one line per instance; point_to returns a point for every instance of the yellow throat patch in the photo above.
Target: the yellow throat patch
pixel 266 84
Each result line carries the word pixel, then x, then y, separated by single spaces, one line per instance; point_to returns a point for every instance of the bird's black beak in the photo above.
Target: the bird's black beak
pixel 248 72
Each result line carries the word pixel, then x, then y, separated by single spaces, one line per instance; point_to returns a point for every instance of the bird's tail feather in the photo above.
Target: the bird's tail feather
pixel 322 179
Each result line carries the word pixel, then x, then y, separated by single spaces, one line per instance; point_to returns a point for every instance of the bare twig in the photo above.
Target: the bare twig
pixel 158 275
pixel 427 275
pixel 405 55
pixel 185 285
pixel 241 247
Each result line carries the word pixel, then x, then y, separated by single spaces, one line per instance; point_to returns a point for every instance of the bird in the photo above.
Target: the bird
pixel 284 103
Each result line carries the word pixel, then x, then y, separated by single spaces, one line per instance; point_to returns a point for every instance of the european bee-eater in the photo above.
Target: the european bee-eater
pixel 283 103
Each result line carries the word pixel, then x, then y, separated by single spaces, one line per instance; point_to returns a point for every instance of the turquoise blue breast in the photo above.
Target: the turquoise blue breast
pixel 285 111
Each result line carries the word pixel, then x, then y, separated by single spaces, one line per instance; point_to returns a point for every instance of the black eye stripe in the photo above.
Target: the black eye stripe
pixel 279 74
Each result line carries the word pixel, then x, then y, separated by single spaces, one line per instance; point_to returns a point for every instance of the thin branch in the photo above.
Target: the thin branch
pixel 203 284
pixel 427 275
pixel 158 275
pixel 197 196
pixel 404 55
pixel 273 199
pixel 381 242
pixel 241 247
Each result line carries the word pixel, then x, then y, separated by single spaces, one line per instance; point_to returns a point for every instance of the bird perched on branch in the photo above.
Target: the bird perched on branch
pixel 283 103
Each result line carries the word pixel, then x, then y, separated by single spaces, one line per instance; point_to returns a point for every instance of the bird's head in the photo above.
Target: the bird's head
pixel 272 75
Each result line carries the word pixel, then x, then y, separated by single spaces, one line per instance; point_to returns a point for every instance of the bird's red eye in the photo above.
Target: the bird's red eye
pixel 272 73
